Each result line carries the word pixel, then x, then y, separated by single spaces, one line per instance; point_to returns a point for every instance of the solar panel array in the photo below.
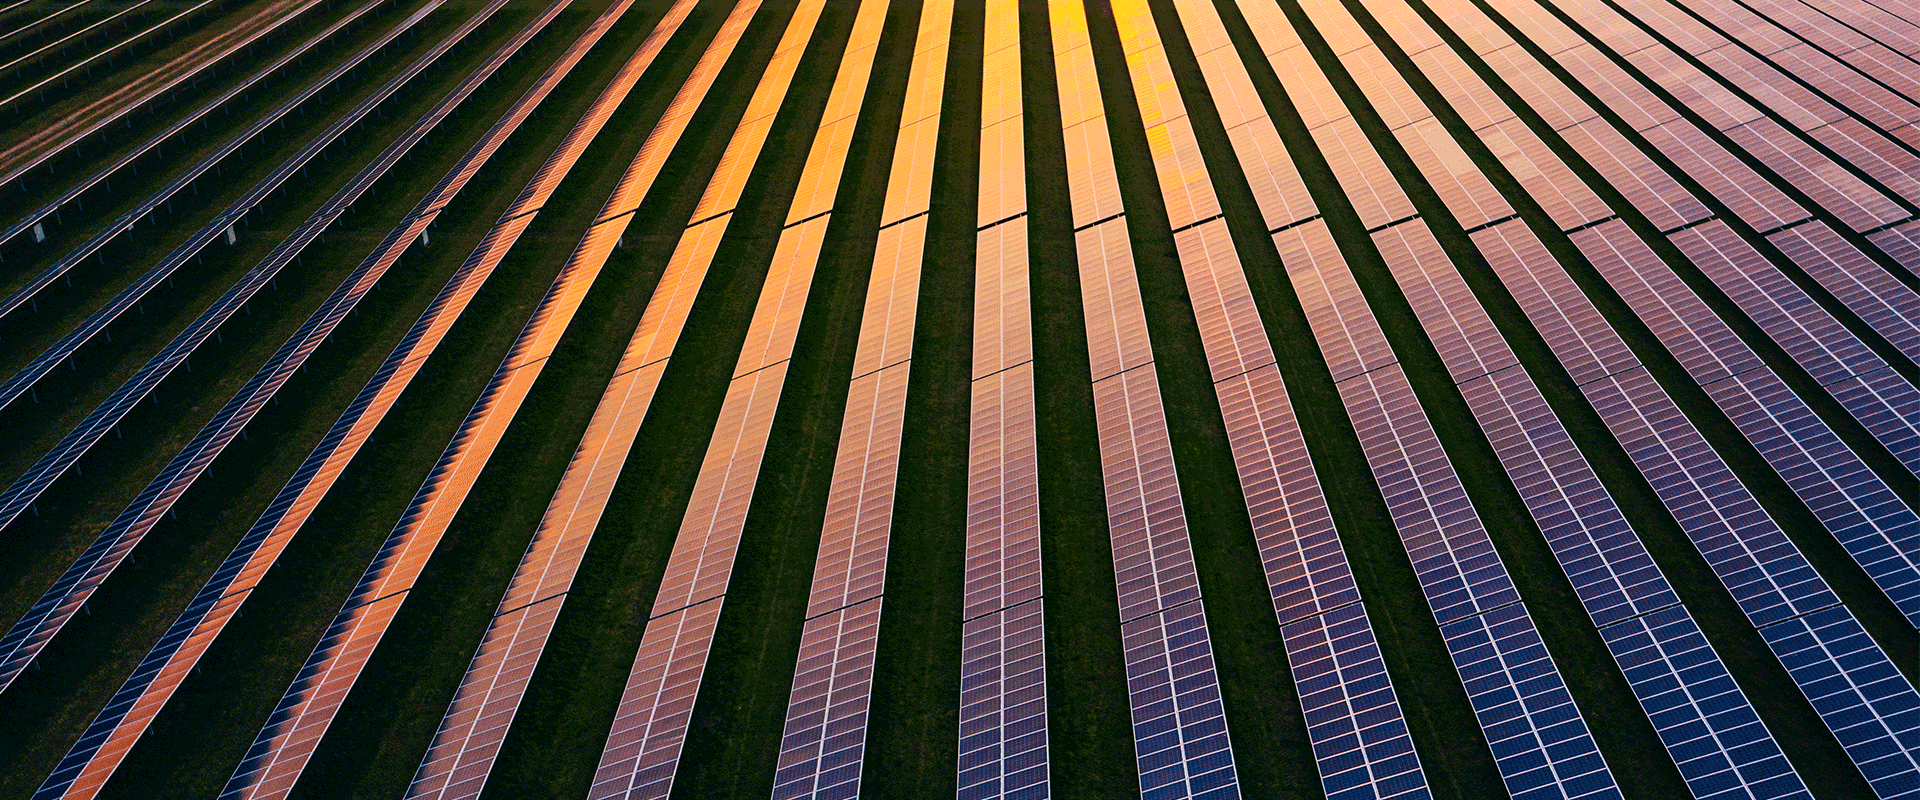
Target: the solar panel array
pixel 1697 223
pixel 19 496
pixel 281 749
pixel 164 667
pixel 1616 386
pixel 101 126
pixel 1003 682
pixel 102 178
pixel 55 607
pixel 1362 745
pixel 28 295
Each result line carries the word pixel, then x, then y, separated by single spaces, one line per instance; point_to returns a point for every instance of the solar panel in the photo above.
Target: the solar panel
pixel 643 749
pixel 824 742
pixel 1003 705
pixel 1359 736
pixel 1539 741
pixel 1887 305
pixel 1740 759
pixel 1865 700
pixel 1179 726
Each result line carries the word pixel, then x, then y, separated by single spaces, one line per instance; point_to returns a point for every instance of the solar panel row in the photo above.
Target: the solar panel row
pixel 19 496
pixel 1360 738
pixel 1003 687
pixel 823 745
pixel 136 703
pixel 25 638
pixel 281 749
pixel 152 145
pixel 1180 733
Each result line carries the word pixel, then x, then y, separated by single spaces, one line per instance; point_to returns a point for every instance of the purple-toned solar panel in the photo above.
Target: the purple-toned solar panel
pixel 1876 528
pixel 1359 736
pixel 1902 244
pixel 824 742
pixel 1731 755
pixel 1887 305
pixel 1003 704
pixel 1179 726
pixel 1465 583
pixel 1867 702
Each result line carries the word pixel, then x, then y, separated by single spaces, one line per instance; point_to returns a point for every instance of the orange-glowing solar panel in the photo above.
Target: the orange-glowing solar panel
pixel 1116 323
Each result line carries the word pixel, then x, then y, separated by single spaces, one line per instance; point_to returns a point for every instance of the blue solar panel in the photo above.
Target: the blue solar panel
pixel 1359 737
pixel 1702 717
pixel 1179 726
pixel 1864 700
pixel 1539 741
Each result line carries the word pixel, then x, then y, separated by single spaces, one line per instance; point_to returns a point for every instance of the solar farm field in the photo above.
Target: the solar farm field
pixel 1007 399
